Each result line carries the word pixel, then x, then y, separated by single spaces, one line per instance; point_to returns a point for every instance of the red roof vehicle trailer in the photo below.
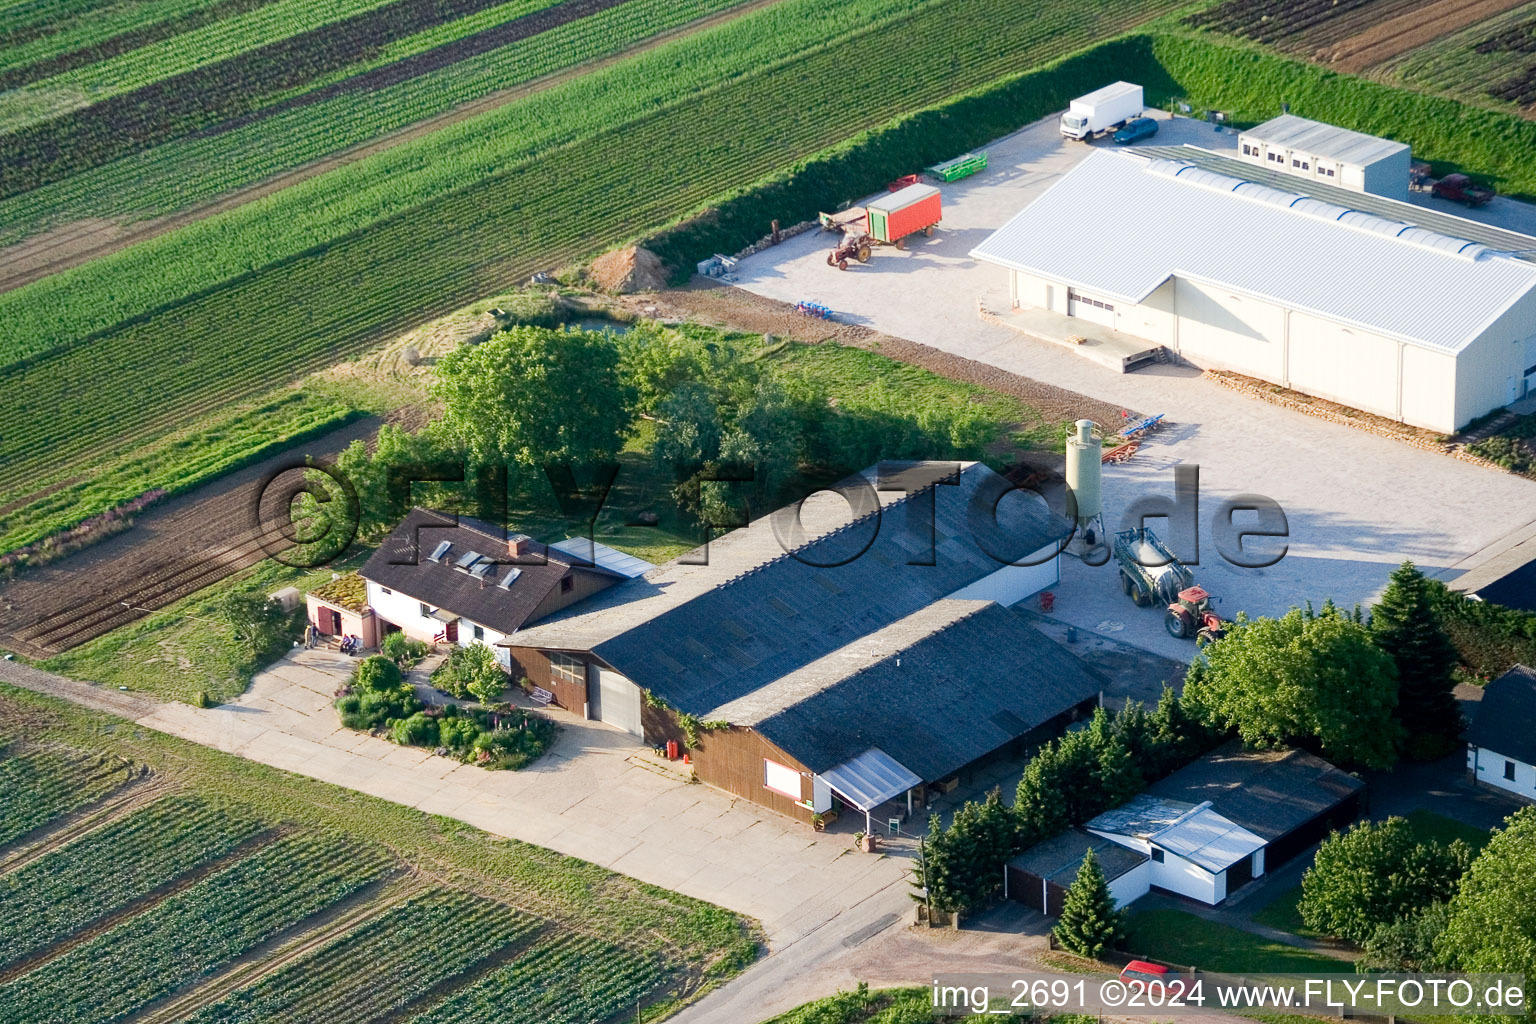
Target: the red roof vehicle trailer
pixel 914 208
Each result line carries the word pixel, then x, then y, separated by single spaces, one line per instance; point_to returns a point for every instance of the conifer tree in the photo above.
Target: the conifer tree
pixel 1406 625
pixel 1089 922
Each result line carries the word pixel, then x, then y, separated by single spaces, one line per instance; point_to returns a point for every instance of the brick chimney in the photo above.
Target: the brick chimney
pixel 519 544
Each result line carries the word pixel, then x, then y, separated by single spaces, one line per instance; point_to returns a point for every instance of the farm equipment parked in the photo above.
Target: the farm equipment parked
pixel 885 221
pixel 853 247
pixel 1150 574
pixel 962 166
pixel 1458 188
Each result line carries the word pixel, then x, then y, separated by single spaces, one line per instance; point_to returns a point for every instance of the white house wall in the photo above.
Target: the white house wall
pixel 404 611
pixel 1174 873
pixel 1132 885
pixel 1488 766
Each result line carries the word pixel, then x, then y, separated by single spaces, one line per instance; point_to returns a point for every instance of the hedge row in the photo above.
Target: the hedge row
pixel 1245 81
pixel 866 162
pixel 1250 85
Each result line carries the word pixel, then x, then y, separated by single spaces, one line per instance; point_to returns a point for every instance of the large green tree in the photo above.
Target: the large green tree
pixel 530 396
pixel 1312 679
pixel 1089 922
pixel 1378 874
pixel 1407 626
pixel 1492 924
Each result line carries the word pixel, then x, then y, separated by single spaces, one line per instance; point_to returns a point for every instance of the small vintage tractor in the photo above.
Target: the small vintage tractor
pixel 853 247
pixel 1191 616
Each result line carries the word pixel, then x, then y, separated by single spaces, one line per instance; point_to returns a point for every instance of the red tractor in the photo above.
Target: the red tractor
pixel 1191 616
pixel 853 247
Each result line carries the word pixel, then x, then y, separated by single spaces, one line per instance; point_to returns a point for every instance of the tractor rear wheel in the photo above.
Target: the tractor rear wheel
pixel 863 254
pixel 1178 623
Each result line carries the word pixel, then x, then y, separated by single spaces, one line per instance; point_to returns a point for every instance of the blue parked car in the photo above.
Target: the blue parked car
pixel 1140 128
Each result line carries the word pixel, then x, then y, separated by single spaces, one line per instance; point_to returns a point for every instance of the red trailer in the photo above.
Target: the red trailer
pixel 914 208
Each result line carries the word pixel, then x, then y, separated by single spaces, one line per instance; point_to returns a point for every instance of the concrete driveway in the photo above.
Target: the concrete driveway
pixel 1357 505
pixel 595 795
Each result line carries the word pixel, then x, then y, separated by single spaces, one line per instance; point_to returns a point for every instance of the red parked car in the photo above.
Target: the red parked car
pixel 1158 981
pixel 1459 189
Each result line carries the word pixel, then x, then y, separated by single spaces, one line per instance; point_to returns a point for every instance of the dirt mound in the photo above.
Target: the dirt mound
pixel 627 270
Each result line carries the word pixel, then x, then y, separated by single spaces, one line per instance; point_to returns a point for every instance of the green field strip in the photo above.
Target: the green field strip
pixel 380 966
pixel 565 979
pixel 185 52
pixel 39 786
pixel 195 169
pixel 702 72
pixel 67 41
pixel 111 867
pixel 193 933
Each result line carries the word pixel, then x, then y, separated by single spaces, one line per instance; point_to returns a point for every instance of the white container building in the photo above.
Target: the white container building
pixel 1328 153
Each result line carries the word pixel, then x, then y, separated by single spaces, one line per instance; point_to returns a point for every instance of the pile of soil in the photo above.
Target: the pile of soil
pixel 628 270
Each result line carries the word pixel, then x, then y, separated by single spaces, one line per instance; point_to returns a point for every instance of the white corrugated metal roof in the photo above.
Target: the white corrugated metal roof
pixel 1120 225
pixel 604 557
pixel 1208 839
pixel 1192 831
pixel 1325 140
pixel 902 198
pixel 870 779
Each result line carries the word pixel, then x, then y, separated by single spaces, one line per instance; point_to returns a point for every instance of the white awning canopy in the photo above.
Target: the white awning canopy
pixel 869 780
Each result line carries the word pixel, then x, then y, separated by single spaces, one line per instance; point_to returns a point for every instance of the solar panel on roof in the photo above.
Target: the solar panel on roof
pixel 441 550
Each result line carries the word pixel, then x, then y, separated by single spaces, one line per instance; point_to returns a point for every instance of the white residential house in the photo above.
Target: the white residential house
pixel 441 578
pixel 1501 744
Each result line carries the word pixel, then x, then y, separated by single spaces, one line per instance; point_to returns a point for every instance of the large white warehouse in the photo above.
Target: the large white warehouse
pixel 1371 310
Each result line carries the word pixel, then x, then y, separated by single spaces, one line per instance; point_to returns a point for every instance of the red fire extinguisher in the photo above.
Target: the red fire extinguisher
pixel 671 750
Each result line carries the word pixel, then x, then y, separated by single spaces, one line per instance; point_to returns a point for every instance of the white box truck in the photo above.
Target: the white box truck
pixel 1103 110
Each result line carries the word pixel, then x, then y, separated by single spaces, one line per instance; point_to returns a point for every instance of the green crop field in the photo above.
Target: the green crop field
pixel 239 894
pixel 111 356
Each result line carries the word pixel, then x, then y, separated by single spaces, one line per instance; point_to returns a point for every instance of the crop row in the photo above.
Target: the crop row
pixel 566 979
pixel 1493 58
pixel 223 442
pixel 185 171
pixel 40 785
pixel 66 307
pixel 191 933
pixel 109 868
pixel 381 966
pixel 501 224
pixel 674 80
pixel 79 41
pixel 166 107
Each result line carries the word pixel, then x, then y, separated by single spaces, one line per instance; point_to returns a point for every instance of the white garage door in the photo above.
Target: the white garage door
pixel 613 699
pixel 1094 310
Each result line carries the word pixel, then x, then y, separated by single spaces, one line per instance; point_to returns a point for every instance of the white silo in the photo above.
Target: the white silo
pixel 1085 473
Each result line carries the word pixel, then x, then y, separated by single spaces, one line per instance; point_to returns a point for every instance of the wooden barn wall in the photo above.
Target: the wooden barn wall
pixel 732 760
pixel 586 583
pixel 534 664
